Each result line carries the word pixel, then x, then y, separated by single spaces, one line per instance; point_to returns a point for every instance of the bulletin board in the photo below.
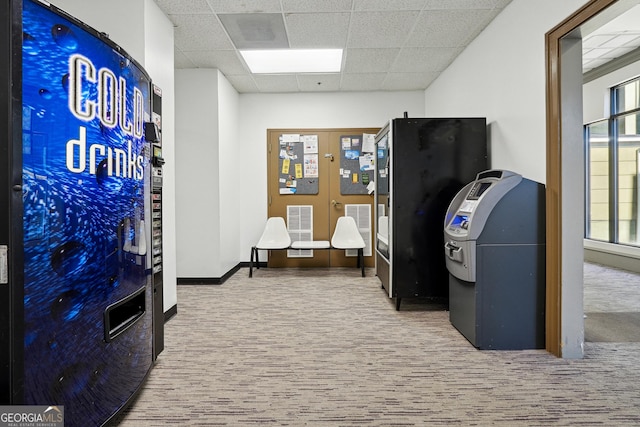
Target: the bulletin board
pixel 357 158
pixel 298 164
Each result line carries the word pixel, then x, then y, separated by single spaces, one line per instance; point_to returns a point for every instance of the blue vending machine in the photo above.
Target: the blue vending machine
pixel 75 269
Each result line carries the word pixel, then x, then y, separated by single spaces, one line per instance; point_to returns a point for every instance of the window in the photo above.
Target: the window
pixel 597 136
pixel 613 170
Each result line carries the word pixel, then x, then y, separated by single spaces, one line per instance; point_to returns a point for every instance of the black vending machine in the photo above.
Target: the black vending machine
pixel 76 296
pixel 421 164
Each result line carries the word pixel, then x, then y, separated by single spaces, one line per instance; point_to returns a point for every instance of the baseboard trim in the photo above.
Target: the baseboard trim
pixel 246 264
pixel 170 313
pixel 209 280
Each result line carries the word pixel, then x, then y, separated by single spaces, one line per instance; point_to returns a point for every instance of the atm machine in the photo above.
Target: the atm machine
pixel 494 233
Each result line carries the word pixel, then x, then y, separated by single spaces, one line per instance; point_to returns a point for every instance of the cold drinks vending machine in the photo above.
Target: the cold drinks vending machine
pixel 76 314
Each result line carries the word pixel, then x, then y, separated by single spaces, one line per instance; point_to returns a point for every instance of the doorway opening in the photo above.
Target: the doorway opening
pixel 565 184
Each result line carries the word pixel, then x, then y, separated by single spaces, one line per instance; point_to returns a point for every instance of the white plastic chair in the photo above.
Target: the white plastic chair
pixel 347 236
pixel 274 236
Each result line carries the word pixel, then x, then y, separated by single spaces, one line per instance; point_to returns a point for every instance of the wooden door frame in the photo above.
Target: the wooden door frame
pixel 553 52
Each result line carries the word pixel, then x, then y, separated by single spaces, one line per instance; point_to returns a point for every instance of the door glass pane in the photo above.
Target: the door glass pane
pixel 598 181
pixel 628 176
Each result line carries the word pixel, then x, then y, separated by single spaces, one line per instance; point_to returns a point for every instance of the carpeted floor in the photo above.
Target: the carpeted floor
pixel 328 348
pixel 611 304
pixel 612 327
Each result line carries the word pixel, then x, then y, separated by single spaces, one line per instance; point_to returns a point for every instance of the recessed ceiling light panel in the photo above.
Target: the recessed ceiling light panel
pixel 279 61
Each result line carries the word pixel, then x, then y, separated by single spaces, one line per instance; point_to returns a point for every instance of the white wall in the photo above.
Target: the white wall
pixel 142 30
pixel 209 166
pixel 230 173
pixel 259 112
pixel 197 168
pixel 501 76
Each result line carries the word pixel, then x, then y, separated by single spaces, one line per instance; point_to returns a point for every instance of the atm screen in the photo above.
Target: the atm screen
pixel 483 187
pixel 478 189
pixel 458 219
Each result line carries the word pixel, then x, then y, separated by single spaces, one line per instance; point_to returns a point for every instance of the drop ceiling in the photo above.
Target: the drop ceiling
pixel 616 38
pixel 389 45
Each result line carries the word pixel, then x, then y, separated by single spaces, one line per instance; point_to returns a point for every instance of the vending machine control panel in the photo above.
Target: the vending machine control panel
pixel 153 131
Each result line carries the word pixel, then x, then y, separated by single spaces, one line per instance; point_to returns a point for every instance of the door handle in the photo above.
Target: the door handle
pixel 335 203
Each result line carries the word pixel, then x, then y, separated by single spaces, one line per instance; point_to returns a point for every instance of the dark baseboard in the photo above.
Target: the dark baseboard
pixel 210 280
pixel 245 264
pixel 170 313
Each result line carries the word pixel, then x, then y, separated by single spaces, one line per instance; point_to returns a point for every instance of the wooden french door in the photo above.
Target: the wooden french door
pixel 312 177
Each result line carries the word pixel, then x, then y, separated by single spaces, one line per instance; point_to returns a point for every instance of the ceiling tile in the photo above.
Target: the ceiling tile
pixel 180 60
pixel 430 59
pixel 624 39
pixel 408 81
pixel 362 82
pixel 465 4
pixel 316 6
pixel 388 5
pixel 325 30
pixel 244 6
pixel 593 54
pixel 226 61
pixel 276 82
pixel 319 82
pixel 405 38
pixel 501 4
pixel 380 29
pixel 448 28
pixel 175 7
pixel 618 52
pixel 243 83
pixel 596 40
pixel 369 60
pixel 199 32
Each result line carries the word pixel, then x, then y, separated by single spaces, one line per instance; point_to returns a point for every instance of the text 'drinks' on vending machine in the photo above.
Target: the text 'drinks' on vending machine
pixel 76 218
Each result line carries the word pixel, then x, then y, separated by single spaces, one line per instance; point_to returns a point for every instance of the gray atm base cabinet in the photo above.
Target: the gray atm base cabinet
pixel 504 308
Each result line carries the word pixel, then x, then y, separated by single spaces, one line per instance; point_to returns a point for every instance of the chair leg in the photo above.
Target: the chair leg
pixel 253 248
pixel 361 259
pixel 257 259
